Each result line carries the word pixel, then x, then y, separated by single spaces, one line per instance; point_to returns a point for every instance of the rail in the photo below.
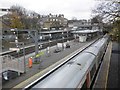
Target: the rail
pixel 59 65
pixel 30 49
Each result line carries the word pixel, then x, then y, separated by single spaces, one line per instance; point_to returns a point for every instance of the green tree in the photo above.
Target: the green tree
pixel 116 30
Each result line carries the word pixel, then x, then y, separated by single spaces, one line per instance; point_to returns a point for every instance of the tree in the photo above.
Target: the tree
pixel 21 19
pixel 110 12
pixel 74 18
pixel 116 30
pixel 17 16
pixel 96 19
pixel 15 21
pixel 21 11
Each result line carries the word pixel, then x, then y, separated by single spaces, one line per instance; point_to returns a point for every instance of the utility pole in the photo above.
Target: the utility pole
pixel 35 37
pixel 36 44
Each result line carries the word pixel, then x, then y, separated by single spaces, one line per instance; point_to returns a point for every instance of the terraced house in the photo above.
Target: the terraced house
pixel 53 21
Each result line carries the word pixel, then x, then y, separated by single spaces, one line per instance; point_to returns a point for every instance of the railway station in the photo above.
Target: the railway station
pixel 51 63
pixel 52 51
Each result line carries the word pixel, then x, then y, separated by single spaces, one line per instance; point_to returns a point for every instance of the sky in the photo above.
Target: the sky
pixel 81 9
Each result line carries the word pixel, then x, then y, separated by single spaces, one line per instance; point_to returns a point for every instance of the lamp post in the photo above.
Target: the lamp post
pixel 49 39
pixel 48 48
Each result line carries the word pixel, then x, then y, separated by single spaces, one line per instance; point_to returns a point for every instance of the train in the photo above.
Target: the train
pixel 79 72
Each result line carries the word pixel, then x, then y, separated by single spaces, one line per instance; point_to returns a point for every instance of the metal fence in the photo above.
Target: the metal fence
pixel 13 64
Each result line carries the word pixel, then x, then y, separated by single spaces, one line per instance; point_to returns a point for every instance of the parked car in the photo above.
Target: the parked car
pixel 67 45
pixel 57 50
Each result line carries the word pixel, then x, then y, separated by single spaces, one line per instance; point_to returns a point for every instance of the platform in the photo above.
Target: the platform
pixel 108 76
pixel 47 61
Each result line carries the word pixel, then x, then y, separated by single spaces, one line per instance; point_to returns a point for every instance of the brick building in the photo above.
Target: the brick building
pixel 53 21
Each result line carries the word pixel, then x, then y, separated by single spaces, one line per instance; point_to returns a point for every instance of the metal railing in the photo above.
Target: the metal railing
pixel 13 64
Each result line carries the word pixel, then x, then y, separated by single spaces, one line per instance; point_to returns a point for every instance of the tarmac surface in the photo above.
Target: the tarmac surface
pixel 109 74
pixel 114 70
pixel 46 62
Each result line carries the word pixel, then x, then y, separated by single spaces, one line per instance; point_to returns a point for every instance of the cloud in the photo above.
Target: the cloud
pixel 69 8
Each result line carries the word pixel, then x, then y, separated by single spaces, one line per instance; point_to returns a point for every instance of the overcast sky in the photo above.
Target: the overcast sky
pixel 81 9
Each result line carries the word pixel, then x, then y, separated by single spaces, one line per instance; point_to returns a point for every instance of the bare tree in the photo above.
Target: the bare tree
pixel 17 16
pixel 74 18
pixel 110 11
pixel 21 11
pixel 27 22
pixel 96 19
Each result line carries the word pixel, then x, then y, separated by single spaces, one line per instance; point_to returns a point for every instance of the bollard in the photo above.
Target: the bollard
pixel 30 62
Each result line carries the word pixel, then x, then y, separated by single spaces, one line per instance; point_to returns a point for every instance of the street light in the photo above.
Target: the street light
pixel 48 48
pixel 49 39
pixel 16 38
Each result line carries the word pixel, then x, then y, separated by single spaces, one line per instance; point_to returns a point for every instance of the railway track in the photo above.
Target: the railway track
pixel 31 49
pixel 55 68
